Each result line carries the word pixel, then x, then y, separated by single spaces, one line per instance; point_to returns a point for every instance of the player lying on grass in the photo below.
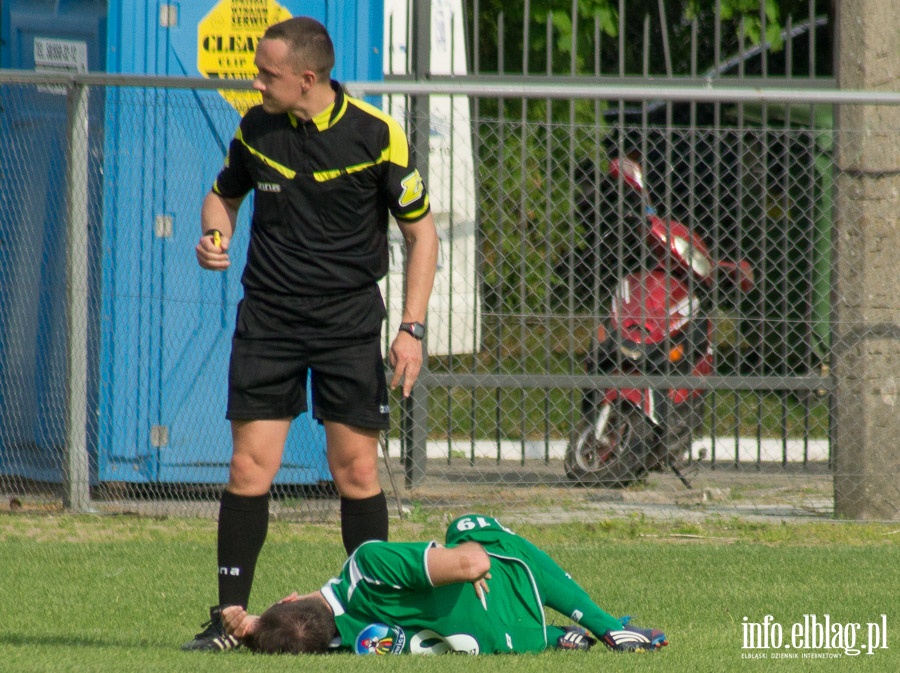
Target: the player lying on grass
pixel 418 597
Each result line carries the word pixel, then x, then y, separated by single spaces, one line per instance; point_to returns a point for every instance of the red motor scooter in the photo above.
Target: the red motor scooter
pixel 658 325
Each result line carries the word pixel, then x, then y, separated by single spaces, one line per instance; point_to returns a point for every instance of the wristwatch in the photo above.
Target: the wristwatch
pixel 417 329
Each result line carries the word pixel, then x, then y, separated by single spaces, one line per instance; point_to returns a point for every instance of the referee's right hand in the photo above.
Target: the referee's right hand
pixel 213 257
pixel 218 218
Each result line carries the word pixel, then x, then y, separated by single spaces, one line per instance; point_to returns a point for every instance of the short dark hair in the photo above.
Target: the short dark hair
pixel 298 627
pixel 309 42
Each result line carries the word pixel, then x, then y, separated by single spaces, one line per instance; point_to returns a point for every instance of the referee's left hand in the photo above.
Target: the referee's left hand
pixel 406 359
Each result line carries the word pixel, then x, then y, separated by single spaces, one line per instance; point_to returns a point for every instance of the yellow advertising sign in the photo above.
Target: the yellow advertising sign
pixel 226 43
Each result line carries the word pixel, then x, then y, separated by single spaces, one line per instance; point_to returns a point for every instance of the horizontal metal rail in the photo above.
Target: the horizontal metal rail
pixel 754 81
pixel 761 90
pixel 712 93
pixel 585 381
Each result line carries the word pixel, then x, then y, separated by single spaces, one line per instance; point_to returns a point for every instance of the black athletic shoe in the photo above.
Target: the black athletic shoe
pixel 633 639
pixel 213 637
pixel 575 638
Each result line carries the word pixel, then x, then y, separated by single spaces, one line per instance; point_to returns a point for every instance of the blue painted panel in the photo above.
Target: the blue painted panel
pixel 165 148
pixel 81 20
pixel 33 348
pixel 160 350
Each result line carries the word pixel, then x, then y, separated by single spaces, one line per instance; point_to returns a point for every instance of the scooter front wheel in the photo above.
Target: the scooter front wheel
pixel 611 447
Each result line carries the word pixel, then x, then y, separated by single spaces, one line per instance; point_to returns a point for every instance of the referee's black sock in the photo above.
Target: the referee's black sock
pixel 243 524
pixel 362 520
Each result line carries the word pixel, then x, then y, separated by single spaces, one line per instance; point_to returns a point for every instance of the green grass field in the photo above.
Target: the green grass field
pixel 120 593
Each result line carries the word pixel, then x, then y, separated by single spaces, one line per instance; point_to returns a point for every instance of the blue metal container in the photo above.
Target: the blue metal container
pixel 160 353
pixel 33 345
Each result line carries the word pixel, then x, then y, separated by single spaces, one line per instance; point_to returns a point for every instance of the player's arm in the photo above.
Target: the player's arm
pixel 417 565
pixel 411 207
pixel 240 624
pixel 468 562
pixel 219 210
pixel 421 241
pixel 217 214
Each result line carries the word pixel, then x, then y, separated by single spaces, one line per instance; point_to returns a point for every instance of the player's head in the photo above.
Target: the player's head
pixel 302 626
pixel 310 45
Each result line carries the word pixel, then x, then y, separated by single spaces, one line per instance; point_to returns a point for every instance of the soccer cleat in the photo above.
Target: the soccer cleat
pixel 213 637
pixel 575 638
pixel 634 639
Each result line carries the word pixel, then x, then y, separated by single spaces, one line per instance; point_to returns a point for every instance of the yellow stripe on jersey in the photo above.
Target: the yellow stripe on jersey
pixel 397 149
pixel 284 170
pixel 415 214
pixel 324 176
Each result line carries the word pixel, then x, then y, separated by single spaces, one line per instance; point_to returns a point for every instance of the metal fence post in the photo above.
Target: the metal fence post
pixel 76 493
pixel 415 408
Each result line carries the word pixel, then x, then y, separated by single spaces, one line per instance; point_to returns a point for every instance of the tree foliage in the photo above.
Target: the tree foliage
pixel 575 26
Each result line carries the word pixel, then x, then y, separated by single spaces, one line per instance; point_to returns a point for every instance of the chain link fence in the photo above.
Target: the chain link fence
pixel 114 344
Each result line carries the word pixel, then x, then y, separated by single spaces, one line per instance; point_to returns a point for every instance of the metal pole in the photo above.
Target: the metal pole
pixel 866 347
pixel 76 494
pixel 415 410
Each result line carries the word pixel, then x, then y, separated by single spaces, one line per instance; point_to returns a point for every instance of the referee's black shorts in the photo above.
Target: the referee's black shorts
pixel 336 338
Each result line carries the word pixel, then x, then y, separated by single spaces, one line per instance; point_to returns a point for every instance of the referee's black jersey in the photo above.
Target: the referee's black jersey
pixel 323 189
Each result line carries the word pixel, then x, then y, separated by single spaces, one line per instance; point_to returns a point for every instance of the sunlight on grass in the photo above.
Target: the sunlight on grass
pixel 112 594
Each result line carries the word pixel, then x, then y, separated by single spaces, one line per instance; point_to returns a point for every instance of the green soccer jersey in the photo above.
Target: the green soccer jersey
pixel 384 601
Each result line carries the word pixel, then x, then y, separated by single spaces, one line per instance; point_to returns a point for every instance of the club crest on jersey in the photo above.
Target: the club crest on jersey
pixel 380 639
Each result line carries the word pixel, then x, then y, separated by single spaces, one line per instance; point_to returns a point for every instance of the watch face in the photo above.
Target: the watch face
pixel 417 329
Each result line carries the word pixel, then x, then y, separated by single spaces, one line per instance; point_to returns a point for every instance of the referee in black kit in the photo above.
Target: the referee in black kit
pixel 326 171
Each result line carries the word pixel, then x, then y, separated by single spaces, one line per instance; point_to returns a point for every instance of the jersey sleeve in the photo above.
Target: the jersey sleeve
pixel 408 197
pixel 401 565
pixel 234 180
